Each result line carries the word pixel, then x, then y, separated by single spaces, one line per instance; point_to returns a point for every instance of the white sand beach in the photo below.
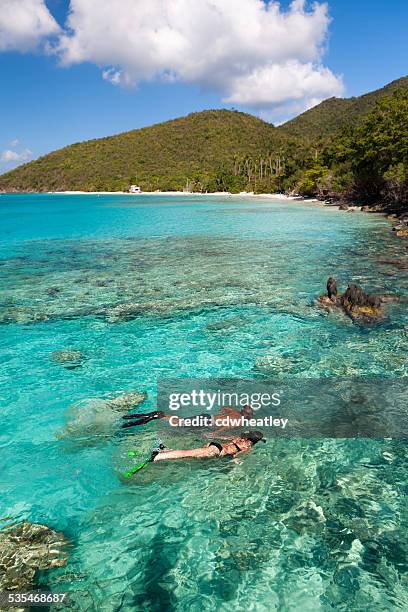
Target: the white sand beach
pixel 242 194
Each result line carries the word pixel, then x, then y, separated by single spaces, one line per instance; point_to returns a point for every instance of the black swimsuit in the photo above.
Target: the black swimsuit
pixel 217 445
pixel 220 447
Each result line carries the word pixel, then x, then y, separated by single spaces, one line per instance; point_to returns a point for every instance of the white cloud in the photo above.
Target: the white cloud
pixel 279 82
pixel 24 24
pixel 9 156
pixel 252 52
pixel 14 143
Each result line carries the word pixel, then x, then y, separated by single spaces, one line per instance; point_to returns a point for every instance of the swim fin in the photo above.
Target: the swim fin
pixel 141 419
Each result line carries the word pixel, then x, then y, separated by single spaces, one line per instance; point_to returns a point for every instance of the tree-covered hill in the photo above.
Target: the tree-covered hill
pixel 353 149
pixel 335 113
pixel 163 156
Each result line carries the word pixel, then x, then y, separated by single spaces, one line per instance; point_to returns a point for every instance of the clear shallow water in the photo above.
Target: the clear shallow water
pixel 155 286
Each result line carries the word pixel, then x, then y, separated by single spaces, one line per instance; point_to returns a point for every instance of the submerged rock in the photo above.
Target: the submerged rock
pixel 53 291
pixel 307 518
pixel 397 263
pixel 69 358
pixel 22 315
pixel 95 418
pixel 126 401
pixel 26 548
pixel 225 324
pixel 123 312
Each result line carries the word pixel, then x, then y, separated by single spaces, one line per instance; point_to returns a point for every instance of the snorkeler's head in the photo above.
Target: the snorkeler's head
pixel 247 411
pixel 254 436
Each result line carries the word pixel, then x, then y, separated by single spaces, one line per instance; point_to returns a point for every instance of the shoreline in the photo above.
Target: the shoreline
pixel 242 194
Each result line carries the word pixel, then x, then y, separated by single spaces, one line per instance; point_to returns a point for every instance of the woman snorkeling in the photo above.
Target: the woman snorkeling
pixel 233 447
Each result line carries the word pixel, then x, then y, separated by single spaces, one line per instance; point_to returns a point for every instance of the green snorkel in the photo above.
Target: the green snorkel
pixel 136 468
pixel 140 466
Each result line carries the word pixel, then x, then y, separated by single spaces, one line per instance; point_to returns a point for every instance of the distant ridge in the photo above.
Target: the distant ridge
pixel 199 149
pixel 333 114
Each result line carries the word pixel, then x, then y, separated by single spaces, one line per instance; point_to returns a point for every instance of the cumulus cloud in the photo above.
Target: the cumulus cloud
pixel 252 52
pixel 24 24
pixel 279 82
pixel 9 156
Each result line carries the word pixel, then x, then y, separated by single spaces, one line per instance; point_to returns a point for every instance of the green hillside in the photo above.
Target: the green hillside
pixel 335 113
pixel 162 156
pixel 354 149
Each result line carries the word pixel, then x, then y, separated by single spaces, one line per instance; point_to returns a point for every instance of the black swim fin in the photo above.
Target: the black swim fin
pixel 156 414
pixel 141 419
pixel 134 423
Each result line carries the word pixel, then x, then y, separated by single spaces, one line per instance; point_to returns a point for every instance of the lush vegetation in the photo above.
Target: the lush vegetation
pixel 335 114
pixel 369 162
pixel 365 162
pixel 165 156
pixel 354 149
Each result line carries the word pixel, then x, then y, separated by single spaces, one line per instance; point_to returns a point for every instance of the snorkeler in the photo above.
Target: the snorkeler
pixel 226 412
pixel 235 446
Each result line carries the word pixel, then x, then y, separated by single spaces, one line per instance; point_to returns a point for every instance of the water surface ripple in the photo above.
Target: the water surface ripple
pixel 152 286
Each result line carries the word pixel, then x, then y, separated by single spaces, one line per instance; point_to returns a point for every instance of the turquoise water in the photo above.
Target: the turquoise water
pixel 149 287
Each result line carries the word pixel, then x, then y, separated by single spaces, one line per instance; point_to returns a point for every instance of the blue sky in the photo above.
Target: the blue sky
pixel 51 98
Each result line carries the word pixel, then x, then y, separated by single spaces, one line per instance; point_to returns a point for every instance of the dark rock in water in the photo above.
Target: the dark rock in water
pixel 69 358
pixel 26 548
pixel 355 295
pixel 373 300
pixel 331 287
pixel 361 307
pixel 366 315
pixel 343 206
pixel 53 291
